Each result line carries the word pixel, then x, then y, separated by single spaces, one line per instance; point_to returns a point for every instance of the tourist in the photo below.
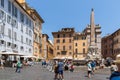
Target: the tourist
pixel 60 69
pixel 2 63
pixel 93 65
pixel 71 67
pixel 113 67
pixel 18 66
pixel 89 69
pixel 116 74
pixel 56 71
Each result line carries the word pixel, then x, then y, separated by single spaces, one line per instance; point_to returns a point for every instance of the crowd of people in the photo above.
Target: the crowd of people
pixel 18 63
pixel 58 67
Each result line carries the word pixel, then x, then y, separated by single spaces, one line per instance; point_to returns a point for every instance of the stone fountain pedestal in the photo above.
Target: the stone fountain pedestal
pixel 93 53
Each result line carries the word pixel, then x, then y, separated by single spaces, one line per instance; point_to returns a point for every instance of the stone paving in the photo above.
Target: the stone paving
pixel 37 72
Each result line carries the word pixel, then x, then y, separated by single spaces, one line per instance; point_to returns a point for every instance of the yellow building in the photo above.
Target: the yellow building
pixel 37 34
pixel 47 48
pixel 37 44
pixel 80 46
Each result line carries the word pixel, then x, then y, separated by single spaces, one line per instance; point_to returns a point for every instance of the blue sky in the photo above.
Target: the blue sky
pixel 76 13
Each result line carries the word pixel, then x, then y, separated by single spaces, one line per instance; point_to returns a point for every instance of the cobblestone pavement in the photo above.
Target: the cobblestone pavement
pixel 37 72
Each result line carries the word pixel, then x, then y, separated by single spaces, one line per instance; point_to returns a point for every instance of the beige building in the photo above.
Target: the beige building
pixel 80 46
pixel 37 44
pixel 47 48
pixel 63 43
pixel 37 34
pixel 116 42
pixel 111 45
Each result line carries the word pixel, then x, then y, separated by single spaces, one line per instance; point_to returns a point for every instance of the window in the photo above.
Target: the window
pixel 9 33
pixel 8 19
pixel 22 39
pixel 15 36
pixel 2 3
pixel 83 50
pixel 70 53
pixel 13 9
pixel 30 50
pixel 95 40
pixel 57 47
pixel 40 40
pixel 70 35
pixel 83 44
pixel 26 40
pixel 8 44
pixel 2 29
pixel 21 48
pixel 63 52
pixel 70 40
pixel 15 13
pixel 30 42
pixel 76 38
pixel 70 47
pixel 9 6
pixel 29 23
pixel 26 30
pixel 76 44
pixel 2 15
pixel 63 35
pixel 58 41
pixel 83 38
pixel 58 36
pixel 58 53
pixel 14 23
pixel 22 17
pixel 30 33
pixel 35 50
pixel 26 20
pixel 76 50
pixel 63 48
pixel 63 40
pixel 22 27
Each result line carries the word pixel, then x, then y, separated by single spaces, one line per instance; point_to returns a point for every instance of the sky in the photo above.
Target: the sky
pixel 59 14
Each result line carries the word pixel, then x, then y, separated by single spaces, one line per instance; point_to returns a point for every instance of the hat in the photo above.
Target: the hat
pixel 117 59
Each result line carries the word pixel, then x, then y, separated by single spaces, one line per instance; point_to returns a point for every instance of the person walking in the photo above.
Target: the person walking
pixel 116 74
pixel 56 71
pixel 89 69
pixel 2 63
pixel 71 67
pixel 93 65
pixel 60 69
pixel 18 66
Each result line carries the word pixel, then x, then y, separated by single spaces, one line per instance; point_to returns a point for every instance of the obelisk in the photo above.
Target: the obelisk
pixel 92 26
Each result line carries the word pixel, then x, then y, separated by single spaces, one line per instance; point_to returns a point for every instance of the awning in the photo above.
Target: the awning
pixel 9 53
pixel 67 57
pixel 56 57
pixel 80 58
pixel 29 56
